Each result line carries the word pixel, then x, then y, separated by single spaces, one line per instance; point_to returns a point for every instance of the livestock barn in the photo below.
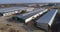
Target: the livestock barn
pixel 47 19
pixel 29 16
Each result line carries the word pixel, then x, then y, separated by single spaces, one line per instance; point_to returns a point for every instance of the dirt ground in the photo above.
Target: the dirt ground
pixel 6 26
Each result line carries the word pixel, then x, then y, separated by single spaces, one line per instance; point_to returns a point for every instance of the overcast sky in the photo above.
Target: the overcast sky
pixel 27 1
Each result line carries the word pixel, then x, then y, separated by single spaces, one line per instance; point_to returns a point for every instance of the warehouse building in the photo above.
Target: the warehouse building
pixel 46 20
pixel 29 16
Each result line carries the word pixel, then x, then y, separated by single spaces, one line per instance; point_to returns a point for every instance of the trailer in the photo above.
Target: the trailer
pixel 46 20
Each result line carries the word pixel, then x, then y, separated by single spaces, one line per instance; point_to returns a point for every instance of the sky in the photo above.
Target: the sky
pixel 27 1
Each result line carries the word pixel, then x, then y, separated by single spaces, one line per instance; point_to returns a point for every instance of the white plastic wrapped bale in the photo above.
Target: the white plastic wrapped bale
pixel 46 19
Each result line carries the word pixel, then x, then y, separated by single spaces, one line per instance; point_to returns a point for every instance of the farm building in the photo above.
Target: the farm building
pixel 29 16
pixel 47 19
pixel 12 10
